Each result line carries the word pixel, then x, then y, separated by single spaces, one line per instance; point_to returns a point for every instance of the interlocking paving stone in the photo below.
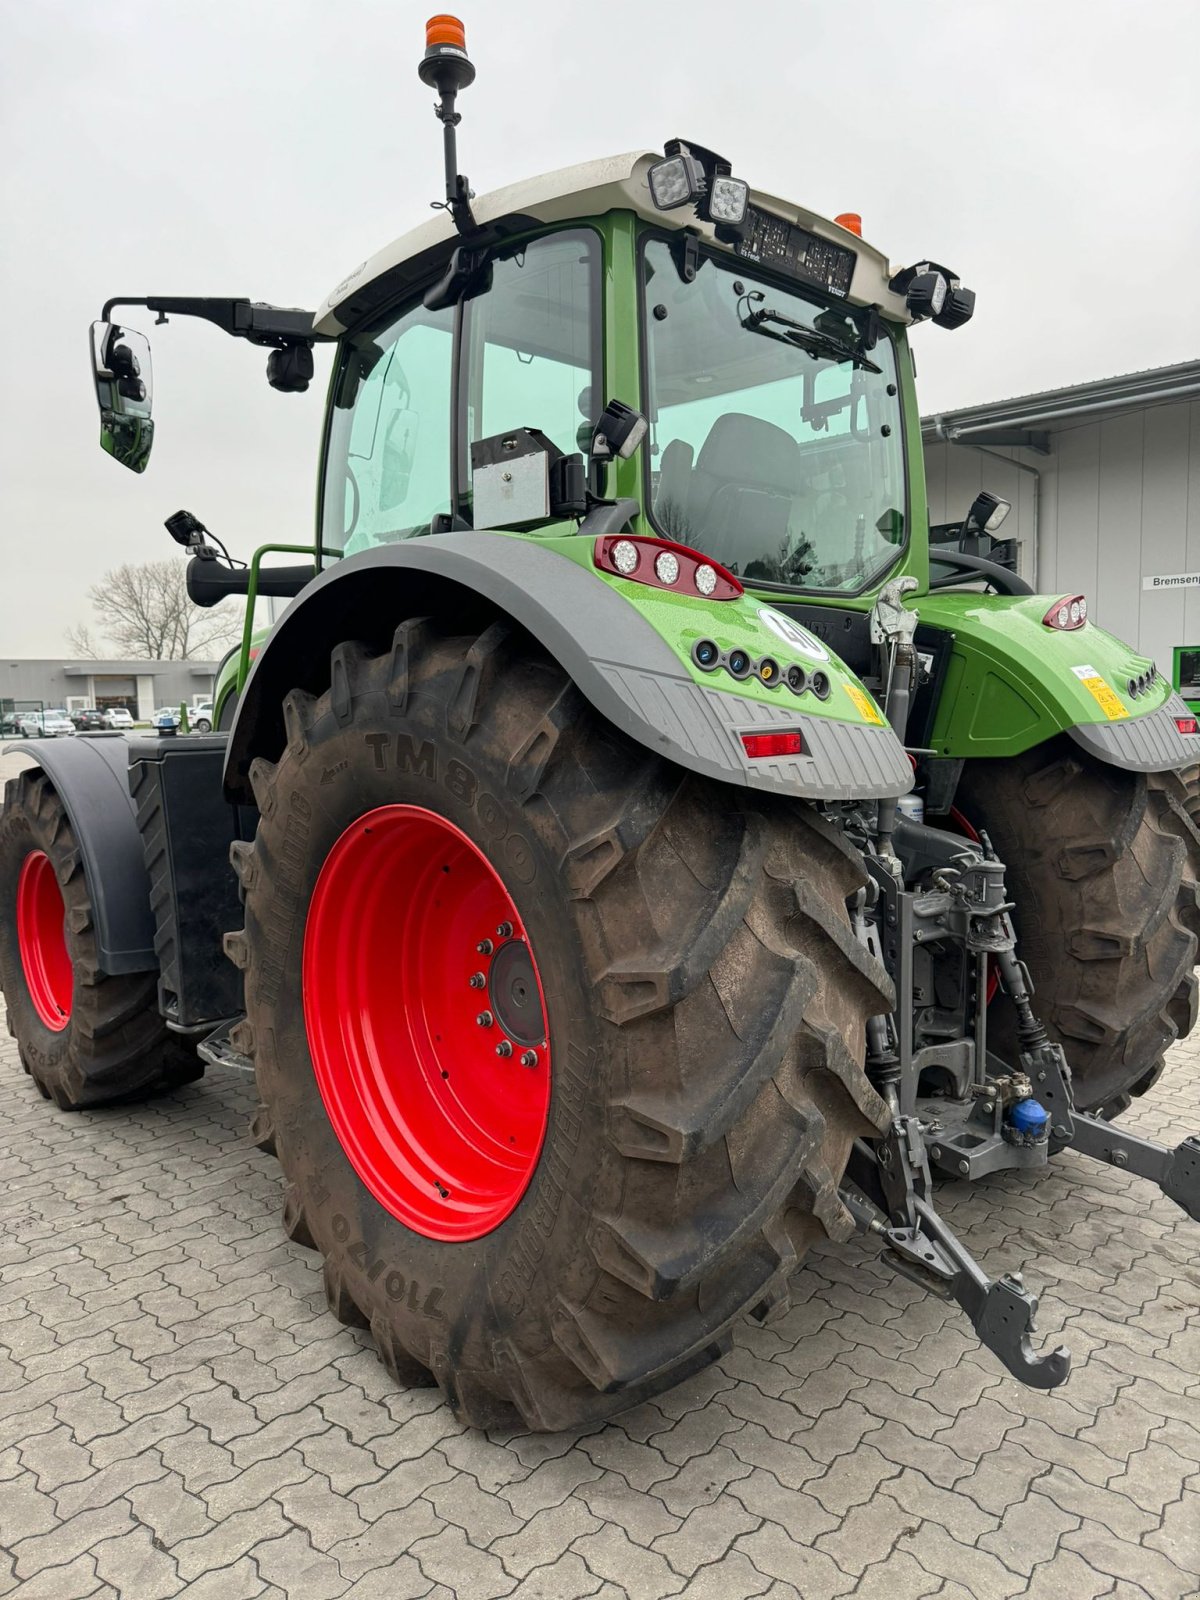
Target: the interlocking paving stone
pixel 180 1414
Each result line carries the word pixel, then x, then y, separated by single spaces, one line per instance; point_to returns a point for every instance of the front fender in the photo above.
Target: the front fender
pixel 618 660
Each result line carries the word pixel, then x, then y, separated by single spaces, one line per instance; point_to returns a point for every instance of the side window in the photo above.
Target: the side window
pixel 533 343
pixel 388 468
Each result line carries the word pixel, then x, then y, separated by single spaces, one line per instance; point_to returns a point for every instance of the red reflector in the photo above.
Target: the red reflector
pixel 758 745
pixel 1186 724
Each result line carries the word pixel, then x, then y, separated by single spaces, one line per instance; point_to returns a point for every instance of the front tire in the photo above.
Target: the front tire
pixel 86 1037
pixel 1103 867
pixel 706 1001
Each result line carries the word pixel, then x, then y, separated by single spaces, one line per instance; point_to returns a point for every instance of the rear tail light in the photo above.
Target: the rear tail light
pixel 1186 724
pixel 759 745
pixel 664 565
pixel 1066 614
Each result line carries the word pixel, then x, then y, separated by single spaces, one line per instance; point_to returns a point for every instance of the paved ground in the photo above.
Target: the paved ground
pixel 179 1414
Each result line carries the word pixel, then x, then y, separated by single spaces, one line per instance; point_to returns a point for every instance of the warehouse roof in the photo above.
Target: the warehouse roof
pixel 1028 419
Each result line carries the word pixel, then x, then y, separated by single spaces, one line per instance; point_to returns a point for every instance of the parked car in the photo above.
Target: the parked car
pixel 200 718
pixel 119 717
pixel 56 724
pixel 90 720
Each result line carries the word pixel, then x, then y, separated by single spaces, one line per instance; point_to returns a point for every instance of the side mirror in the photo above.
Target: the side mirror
pixel 124 392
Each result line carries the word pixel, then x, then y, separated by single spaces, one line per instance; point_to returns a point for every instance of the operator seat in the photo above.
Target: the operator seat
pixel 742 490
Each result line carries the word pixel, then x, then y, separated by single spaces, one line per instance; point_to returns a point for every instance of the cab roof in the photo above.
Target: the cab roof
pixel 616 183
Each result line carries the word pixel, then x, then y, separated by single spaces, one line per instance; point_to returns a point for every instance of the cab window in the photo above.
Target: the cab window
pixel 532 343
pixel 388 465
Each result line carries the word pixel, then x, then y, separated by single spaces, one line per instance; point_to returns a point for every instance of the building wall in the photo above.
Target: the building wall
pixel 153 683
pixel 1118 501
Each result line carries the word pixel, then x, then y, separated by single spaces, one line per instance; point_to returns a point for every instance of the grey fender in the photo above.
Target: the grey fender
pixel 616 659
pixel 1149 743
pixel 91 777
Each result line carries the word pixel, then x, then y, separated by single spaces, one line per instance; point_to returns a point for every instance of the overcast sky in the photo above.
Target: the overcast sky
pixel 1046 149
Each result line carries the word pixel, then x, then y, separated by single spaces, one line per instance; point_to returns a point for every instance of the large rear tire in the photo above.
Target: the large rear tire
pixel 1103 867
pixel 706 1002
pixel 86 1037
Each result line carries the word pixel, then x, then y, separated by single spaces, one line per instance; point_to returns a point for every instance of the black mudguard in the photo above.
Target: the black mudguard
pixel 617 660
pixel 91 776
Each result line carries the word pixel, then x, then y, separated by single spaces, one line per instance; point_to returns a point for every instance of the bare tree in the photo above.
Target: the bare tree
pixel 81 643
pixel 145 612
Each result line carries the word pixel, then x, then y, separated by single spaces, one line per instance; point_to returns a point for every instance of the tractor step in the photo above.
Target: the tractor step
pixel 218 1050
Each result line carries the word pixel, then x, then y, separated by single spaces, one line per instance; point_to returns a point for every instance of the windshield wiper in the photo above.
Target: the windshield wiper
pixel 803 337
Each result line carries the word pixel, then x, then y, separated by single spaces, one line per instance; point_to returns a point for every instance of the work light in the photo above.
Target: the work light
pixel 675 181
pixel 727 200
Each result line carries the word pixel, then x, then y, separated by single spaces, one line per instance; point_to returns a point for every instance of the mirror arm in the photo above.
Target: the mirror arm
pixel 240 318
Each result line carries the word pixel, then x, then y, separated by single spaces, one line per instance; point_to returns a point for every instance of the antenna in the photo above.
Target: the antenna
pixel 447 69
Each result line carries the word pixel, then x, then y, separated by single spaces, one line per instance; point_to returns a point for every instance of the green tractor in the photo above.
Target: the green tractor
pixel 636 854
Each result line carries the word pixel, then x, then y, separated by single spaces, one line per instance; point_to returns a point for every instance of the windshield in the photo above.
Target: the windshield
pixel 776 443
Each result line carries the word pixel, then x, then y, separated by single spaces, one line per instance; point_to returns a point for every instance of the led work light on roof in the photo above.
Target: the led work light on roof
pixel 676 182
pixel 933 293
pixel 692 176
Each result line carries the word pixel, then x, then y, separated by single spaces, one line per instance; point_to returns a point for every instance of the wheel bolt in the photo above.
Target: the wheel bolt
pixel 477 980
pixel 484 1019
pixel 529 1058
pixel 505 930
pixel 504 1048
pixel 485 947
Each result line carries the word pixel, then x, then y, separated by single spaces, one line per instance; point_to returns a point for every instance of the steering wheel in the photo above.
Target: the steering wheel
pixel 963 566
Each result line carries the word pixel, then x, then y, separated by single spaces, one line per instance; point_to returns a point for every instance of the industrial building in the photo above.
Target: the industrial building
pixel 140 686
pixel 1104 480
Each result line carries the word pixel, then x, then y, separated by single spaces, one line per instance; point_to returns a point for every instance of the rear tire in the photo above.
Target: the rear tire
pixel 707 1003
pixel 1103 866
pixel 85 1037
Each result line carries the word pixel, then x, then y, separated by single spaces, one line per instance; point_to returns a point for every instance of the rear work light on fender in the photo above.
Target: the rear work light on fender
pixel 760 745
pixel 1066 614
pixel 664 565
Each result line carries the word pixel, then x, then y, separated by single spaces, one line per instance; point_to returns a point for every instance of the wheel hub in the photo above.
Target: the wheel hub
pixel 514 994
pixel 426 1022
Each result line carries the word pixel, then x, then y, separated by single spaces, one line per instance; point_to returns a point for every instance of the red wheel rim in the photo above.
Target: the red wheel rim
pixel 411 938
pixel 42 941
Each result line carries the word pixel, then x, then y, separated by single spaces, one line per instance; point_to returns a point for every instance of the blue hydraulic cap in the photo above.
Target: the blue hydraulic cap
pixel 1029 1116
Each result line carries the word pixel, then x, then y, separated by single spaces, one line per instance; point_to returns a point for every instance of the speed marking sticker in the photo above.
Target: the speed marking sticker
pixel 866 706
pixel 1100 692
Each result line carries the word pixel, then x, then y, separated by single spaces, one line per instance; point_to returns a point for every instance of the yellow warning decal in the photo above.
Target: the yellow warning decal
pixel 867 709
pixel 1100 692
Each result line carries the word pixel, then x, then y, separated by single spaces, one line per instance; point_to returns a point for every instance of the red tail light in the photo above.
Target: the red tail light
pixel 665 565
pixel 759 745
pixel 1186 724
pixel 1066 614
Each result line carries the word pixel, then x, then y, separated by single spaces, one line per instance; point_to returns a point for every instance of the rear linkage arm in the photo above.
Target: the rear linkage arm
pixel 923 1248
pixel 889 1178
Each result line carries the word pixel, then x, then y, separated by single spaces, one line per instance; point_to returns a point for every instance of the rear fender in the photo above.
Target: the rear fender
pixel 1012 682
pixel 616 658
pixel 90 774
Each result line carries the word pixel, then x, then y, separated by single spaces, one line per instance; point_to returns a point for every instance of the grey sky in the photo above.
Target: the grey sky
pixel 1048 151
